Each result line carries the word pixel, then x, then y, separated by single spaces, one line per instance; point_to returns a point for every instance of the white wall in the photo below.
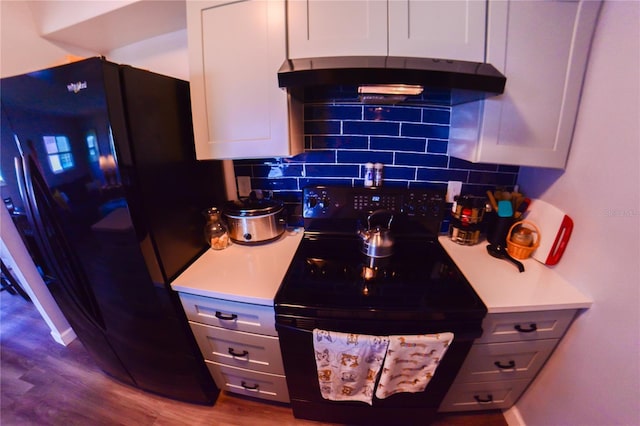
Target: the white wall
pixel 593 378
pixel 22 50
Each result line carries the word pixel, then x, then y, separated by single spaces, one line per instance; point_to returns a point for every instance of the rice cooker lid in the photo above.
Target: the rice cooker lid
pixel 252 207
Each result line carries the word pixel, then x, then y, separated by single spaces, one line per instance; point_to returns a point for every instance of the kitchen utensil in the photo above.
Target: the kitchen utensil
pixel 505 209
pixel 376 240
pixel 522 207
pixel 555 230
pixel 492 201
pixel 500 252
pixel 254 221
pixel 522 240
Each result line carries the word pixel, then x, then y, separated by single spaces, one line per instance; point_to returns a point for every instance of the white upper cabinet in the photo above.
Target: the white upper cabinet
pixel 434 29
pixel 438 29
pixel 235 51
pixel 542 48
pixel 336 28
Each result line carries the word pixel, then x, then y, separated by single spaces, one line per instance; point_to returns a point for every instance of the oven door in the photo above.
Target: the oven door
pixel 296 342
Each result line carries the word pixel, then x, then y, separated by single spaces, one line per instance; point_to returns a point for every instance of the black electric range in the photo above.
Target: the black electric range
pixel 331 284
pixel 330 276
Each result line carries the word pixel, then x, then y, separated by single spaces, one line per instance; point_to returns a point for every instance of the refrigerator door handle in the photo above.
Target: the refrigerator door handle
pixel 40 209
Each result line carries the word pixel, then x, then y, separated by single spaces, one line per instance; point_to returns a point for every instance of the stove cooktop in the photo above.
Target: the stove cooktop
pixel 330 277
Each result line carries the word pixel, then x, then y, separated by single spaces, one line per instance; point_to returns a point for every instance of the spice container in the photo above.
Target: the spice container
pixel 377 174
pixel 215 231
pixel 466 219
pixel 368 175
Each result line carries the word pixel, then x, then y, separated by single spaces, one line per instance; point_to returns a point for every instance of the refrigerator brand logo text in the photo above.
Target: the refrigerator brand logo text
pixel 76 87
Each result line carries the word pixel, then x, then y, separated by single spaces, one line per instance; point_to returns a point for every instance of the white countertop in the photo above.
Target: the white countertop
pixel 503 288
pixel 241 273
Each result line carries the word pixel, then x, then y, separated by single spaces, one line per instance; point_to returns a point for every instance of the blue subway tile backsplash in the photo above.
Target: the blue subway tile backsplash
pixel 341 136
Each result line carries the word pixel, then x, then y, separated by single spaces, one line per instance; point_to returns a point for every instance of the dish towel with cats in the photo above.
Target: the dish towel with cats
pixel 348 364
pixel 411 361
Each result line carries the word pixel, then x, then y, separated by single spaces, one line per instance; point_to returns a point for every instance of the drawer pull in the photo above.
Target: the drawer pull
pixel 532 328
pixel 225 317
pixel 483 401
pixel 509 366
pixel 254 387
pixel 233 353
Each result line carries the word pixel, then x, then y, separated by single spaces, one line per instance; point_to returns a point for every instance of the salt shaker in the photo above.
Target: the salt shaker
pixel 377 174
pixel 368 175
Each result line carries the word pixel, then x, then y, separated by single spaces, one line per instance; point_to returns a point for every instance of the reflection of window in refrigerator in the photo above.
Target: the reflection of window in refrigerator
pixel 92 146
pixel 59 153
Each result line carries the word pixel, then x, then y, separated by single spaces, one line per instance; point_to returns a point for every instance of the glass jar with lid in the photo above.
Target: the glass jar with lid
pixel 215 230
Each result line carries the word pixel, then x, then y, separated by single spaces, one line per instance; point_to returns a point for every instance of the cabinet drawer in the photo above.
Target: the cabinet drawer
pixel 483 396
pixel 250 383
pixel 232 315
pixel 525 326
pixel 505 361
pixel 239 349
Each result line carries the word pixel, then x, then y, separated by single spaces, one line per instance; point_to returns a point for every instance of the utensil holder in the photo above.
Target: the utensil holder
pixel 520 251
pixel 498 229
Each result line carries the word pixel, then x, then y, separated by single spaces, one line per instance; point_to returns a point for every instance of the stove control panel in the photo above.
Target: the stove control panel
pixel 337 202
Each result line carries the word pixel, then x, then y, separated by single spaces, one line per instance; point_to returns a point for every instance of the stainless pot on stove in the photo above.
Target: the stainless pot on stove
pixel 377 241
pixel 255 221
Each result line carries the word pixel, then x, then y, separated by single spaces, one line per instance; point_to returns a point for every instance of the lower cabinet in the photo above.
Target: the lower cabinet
pixel 505 359
pixel 239 344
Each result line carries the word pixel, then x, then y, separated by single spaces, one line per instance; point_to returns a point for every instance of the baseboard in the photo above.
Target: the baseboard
pixel 65 337
pixel 512 416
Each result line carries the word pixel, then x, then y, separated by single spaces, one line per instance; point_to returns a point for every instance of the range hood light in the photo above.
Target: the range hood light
pixel 391 89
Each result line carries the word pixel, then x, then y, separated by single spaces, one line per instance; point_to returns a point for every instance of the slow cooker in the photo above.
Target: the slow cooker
pixel 255 221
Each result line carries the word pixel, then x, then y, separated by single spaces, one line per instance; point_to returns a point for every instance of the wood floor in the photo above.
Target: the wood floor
pixel 43 383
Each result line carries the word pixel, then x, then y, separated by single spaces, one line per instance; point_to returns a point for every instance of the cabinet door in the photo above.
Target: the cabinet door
pixel 239 349
pixel 249 383
pixel 438 29
pixel 256 319
pixel 320 28
pixel 235 51
pixel 522 326
pixel 505 361
pixel 542 48
pixel 483 396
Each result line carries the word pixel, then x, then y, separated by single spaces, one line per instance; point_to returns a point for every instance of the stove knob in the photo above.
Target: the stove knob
pixel 312 201
pixel 323 202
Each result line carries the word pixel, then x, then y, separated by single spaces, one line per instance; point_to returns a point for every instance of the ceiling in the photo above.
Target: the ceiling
pixel 102 26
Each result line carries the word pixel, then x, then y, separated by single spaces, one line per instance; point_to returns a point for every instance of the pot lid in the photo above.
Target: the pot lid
pixel 252 207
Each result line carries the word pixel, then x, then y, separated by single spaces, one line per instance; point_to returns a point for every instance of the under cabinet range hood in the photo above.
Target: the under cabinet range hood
pixel 391 79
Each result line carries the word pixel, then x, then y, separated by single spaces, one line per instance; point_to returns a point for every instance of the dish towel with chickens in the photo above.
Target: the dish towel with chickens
pixel 348 364
pixel 411 362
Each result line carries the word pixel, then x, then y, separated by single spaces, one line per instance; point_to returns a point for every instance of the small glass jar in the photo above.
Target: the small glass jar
pixel 215 231
pixel 522 236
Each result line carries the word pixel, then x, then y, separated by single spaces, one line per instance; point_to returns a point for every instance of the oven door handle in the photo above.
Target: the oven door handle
pixel 292 328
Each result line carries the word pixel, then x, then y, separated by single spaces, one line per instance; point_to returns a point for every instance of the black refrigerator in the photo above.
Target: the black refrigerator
pixel 101 161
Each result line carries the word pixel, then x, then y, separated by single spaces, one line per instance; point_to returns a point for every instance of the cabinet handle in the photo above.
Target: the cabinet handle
pixel 532 327
pixel 483 401
pixel 233 353
pixel 254 387
pixel 225 317
pixel 509 366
